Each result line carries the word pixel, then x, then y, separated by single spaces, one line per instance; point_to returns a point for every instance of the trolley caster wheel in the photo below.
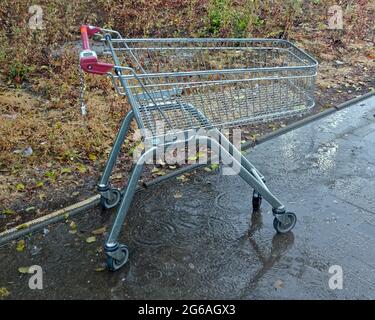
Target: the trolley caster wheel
pixel 257 201
pixel 113 201
pixel 117 258
pixel 281 227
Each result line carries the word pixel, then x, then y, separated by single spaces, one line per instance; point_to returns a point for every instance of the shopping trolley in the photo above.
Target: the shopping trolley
pixel 189 84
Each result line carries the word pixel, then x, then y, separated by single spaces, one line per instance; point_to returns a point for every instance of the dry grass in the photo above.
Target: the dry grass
pixel 39 98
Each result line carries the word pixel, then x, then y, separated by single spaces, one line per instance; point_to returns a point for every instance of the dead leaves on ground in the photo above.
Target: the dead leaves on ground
pixel 91 239
pixel 21 245
pixel 4 292
pixel 99 231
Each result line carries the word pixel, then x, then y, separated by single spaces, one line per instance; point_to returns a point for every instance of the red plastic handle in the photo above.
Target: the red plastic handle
pixel 88 58
pixel 85 38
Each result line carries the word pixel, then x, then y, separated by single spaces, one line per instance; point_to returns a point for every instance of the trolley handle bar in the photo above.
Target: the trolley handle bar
pixel 88 59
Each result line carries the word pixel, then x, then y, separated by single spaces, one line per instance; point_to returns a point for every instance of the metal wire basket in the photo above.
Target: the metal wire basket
pixel 230 81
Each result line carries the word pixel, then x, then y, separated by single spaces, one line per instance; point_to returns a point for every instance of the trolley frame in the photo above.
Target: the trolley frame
pixel 247 89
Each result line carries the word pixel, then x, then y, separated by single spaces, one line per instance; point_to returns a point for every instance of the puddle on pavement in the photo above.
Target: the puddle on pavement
pixel 207 242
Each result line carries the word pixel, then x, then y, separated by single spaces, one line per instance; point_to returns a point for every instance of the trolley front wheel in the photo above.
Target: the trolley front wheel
pixel 112 201
pixel 257 201
pixel 117 258
pixel 284 227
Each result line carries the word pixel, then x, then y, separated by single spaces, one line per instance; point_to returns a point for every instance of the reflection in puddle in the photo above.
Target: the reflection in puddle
pixel 325 157
pixel 280 244
pixel 289 146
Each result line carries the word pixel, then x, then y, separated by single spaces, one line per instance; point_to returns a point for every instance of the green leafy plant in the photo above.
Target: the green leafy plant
pixel 18 72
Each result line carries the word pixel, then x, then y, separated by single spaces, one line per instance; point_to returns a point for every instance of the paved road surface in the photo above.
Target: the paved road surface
pixel 208 244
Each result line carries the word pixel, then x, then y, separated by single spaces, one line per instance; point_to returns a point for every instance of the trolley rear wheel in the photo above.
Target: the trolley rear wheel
pixel 113 201
pixel 117 258
pixel 285 227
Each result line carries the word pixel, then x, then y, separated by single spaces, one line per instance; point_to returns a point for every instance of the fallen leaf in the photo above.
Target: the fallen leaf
pixel 73 225
pixel 207 169
pixel 278 284
pixel 160 173
pixel 99 249
pixel 74 231
pixel 50 174
pixel 20 245
pixel 39 184
pixel 155 170
pixel 200 154
pixel 117 176
pixel 81 168
pixel 99 231
pixel 20 187
pixel 192 158
pixel 92 157
pixel 23 269
pixel 91 239
pixel 177 195
pixel 29 209
pixel 22 226
pixel 182 178
pixel 4 292
pixel 161 162
pixel 65 170
pixel 8 212
pixel 99 269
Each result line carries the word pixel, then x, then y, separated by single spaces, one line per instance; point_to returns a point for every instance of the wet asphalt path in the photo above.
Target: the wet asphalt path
pixel 199 239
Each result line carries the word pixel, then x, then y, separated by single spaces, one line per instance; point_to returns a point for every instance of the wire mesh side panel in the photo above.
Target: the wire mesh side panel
pixel 230 82
pixel 224 99
pixel 177 55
